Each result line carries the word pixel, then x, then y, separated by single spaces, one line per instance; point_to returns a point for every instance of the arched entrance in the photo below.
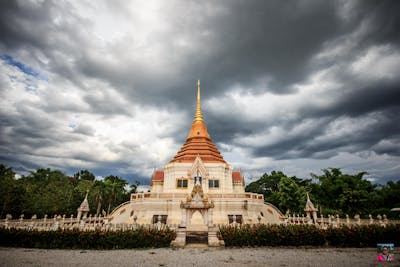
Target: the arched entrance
pixel 196 217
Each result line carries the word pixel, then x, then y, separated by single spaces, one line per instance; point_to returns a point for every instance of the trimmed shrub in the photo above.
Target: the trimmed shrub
pixel 75 239
pixel 273 235
pixel 309 235
pixel 363 235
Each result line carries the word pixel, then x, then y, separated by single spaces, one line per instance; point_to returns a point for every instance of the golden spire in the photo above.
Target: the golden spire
pixel 198 142
pixel 198 115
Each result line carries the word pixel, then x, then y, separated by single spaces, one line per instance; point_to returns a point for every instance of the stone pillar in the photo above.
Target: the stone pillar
pixel 379 219
pixel 310 220
pixel 210 218
pixel 337 219
pixel 45 222
pixel 314 216
pixel 159 222
pixel 100 220
pixel 56 224
pixel 79 216
pixel 213 240
pixel 180 240
pixel 183 221
pixel 188 211
pixel 82 225
pixel 358 219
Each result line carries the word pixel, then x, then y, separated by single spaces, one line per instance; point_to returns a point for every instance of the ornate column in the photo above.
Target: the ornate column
pixel 210 217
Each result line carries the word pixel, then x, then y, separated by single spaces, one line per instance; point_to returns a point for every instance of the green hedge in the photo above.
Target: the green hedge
pixel 363 236
pixel 75 239
pixel 309 235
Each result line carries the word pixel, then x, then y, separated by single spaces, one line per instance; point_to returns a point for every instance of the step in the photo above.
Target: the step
pixel 196 237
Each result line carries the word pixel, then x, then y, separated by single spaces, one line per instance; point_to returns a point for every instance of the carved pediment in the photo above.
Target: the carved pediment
pixel 198 165
pixel 197 199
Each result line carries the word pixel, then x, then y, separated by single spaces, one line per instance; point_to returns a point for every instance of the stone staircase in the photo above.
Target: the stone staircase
pixel 197 237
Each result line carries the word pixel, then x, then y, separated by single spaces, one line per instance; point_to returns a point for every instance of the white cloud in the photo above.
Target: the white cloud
pixel 85 137
pixel 377 63
pixel 113 76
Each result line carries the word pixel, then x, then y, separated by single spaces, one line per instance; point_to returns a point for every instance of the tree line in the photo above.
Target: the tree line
pixel 47 191
pixel 51 192
pixel 333 192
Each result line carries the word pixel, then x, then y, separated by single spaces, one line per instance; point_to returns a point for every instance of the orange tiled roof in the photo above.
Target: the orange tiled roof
pixel 158 176
pixel 198 142
pixel 237 177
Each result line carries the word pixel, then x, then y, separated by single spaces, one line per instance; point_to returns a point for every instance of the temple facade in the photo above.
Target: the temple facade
pixel 197 188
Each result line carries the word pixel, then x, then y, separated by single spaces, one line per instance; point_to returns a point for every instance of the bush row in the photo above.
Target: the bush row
pixel 309 235
pixel 75 239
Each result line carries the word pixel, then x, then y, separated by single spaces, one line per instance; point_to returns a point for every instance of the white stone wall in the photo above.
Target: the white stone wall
pixel 253 210
pixel 214 171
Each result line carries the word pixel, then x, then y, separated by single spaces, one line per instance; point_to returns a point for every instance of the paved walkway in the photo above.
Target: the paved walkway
pixel 210 257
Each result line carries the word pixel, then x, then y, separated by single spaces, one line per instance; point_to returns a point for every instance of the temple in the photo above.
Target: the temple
pixel 197 189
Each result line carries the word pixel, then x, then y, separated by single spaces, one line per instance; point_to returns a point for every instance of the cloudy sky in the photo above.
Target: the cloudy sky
pixel 110 86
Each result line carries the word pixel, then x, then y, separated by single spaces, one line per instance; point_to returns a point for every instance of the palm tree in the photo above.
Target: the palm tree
pixel 115 187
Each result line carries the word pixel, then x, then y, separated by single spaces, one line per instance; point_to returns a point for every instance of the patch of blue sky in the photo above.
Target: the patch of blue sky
pixel 30 84
pixel 22 67
pixel 31 88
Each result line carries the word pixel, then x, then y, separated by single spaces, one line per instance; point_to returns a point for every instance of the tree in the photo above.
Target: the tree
pixel 282 191
pixel 47 192
pixel 391 194
pixel 266 184
pixel 116 192
pixel 344 193
pixel 133 187
pixel 99 190
pixel 84 175
pixel 291 195
pixel 10 192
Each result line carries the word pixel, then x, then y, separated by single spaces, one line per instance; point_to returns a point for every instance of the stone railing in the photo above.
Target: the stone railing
pixel 336 221
pixel 90 223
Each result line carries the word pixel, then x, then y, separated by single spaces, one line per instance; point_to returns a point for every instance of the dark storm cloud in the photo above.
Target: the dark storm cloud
pixel 385 22
pixel 32 130
pixel 380 96
pixel 259 46
pixel 27 24
pixel 247 41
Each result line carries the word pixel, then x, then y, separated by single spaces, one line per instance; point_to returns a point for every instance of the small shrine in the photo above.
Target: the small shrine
pixel 83 209
pixel 311 211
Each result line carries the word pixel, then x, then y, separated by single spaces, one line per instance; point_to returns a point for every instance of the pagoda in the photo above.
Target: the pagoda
pixel 197 188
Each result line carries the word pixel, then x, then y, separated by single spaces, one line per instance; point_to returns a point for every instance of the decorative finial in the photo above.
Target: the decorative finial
pixel 198 116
